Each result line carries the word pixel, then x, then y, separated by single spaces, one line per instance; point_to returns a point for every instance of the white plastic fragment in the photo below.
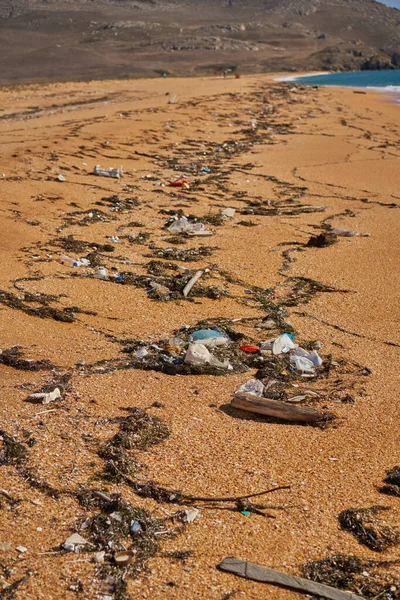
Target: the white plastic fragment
pixel 183 225
pixel 344 232
pixel 99 557
pixel 191 515
pixel 302 364
pixel 283 344
pixel 228 212
pixel 198 354
pixel 21 549
pixel 253 386
pixel 191 283
pixel 110 172
pixel 74 543
pixel 101 273
pixel 48 397
pixel 313 356
pixel 141 353
pixel 61 177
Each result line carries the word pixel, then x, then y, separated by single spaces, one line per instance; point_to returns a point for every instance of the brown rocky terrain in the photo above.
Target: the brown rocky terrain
pixel 62 40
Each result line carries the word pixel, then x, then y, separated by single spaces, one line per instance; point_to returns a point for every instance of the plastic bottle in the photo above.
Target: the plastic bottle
pixel 67 260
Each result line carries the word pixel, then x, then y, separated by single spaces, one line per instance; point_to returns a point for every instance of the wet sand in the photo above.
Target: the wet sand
pixel 269 145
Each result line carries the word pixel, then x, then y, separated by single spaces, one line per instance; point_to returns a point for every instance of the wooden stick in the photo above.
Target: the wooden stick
pixel 265 575
pixel 275 408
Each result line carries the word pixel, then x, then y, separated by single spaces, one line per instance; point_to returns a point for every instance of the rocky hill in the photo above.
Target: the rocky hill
pixel 71 39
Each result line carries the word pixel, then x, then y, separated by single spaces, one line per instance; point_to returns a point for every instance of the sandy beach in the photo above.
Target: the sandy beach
pixel 293 162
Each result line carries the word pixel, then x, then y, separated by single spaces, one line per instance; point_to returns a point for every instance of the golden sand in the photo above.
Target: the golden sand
pixel 344 148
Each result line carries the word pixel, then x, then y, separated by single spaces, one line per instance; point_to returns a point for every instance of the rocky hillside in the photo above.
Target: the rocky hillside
pixel 71 39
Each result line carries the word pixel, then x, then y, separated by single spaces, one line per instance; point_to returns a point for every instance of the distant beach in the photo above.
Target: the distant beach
pixel 387 81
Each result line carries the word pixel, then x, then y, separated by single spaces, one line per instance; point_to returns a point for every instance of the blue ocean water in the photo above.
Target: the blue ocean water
pixel 390 79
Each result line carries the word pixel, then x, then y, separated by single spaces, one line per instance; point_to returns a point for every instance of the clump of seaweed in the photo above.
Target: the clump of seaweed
pixel 391 482
pixel 34 481
pixel 12 452
pixel 70 244
pixel 370 579
pixel 138 431
pixel 119 205
pixel 44 311
pixel 327 238
pixel 367 526
pixel 121 527
pixel 13 357
pixel 139 239
pixel 192 255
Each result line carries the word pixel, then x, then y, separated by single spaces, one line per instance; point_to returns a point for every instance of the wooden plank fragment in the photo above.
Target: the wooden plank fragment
pixel 265 575
pixel 275 408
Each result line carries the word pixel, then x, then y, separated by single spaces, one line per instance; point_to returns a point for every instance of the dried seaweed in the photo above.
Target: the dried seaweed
pixel 31 478
pixel 138 431
pixel 12 452
pixel 192 255
pixel 367 526
pixel 119 205
pixel 44 311
pixel 322 240
pixel 391 482
pixel 370 579
pixel 12 357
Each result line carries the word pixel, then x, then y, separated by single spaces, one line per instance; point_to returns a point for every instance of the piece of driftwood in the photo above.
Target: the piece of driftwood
pixel 275 408
pixel 265 575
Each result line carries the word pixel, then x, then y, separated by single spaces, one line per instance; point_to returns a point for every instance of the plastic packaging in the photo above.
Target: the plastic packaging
pixel 182 225
pixel 313 356
pixel 101 273
pixel 250 349
pixel 344 232
pixel 141 353
pixel 253 386
pixel 111 172
pixel 283 344
pixel 302 364
pixel 198 354
pixel 209 338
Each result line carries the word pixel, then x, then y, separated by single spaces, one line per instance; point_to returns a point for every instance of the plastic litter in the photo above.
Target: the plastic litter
pixel 283 344
pixel 74 543
pixel 313 356
pixel 344 232
pixel 141 353
pixel 209 338
pixel 181 182
pixel 191 515
pixel 61 177
pixel 191 283
pixel 101 273
pixel 110 172
pixel 135 527
pixel 67 260
pixel 228 212
pixel 124 558
pixel 183 225
pixel 253 386
pixel 198 354
pixel 302 364
pixel 250 349
pixel 46 398
pixel 115 239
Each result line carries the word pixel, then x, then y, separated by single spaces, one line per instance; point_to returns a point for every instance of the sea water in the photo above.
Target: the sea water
pixel 385 81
